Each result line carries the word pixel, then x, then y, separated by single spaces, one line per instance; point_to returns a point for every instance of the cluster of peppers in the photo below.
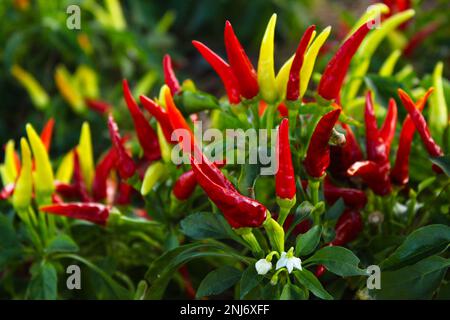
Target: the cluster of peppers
pixel 329 155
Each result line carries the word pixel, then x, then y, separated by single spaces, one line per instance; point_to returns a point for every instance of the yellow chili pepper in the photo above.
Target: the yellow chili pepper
pixel 44 186
pixel 154 173
pixel 86 81
pixel 266 72
pixel 388 66
pixel 9 173
pixel 37 94
pixel 437 117
pixel 24 185
pixel 65 170
pixel 86 155
pixel 68 89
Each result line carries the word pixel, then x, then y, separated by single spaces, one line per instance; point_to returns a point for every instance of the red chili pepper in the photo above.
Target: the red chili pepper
pixel 124 193
pixel 433 149
pixel 125 164
pixel 185 185
pixel 93 212
pixel 293 84
pixel 102 171
pixel 318 154
pixel 67 190
pixel 240 64
pixel 78 180
pixel 284 177
pixel 374 175
pixel 387 131
pixel 188 288
pixel 46 134
pixel 169 75
pixel 400 171
pixel 161 116
pixel 353 198
pixel 239 211
pixel 99 106
pixel 224 71
pixel 419 37
pixel 334 74
pixel 300 228
pixel 376 147
pixel 146 135
pixel 177 121
pixel 342 157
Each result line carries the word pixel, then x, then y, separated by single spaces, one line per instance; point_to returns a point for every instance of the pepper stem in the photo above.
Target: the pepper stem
pixel 270 114
pixel 251 240
pixel 285 207
pixel 275 233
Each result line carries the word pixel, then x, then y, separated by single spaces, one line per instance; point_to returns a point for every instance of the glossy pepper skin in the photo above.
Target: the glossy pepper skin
pixel 240 64
pixel 224 71
pixel 185 185
pixel 387 131
pixel 239 211
pixel 124 164
pixel 317 157
pixel 146 135
pixel 284 178
pixel 400 171
pixel 92 212
pixel 334 74
pixel 293 84
pixel 433 149
pixel 161 116
pixel 169 75
pixel 99 106
pixel 102 171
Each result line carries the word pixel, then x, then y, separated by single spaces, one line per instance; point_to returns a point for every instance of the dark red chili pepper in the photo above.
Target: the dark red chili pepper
pixel 90 211
pixel 318 154
pixel 374 175
pixel 353 198
pixel 47 132
pixel 188 288
pixel 161 116
pixel 293 84
pixel 334 74
pixel 433 149
pixel 376 148
pixel 300 228
pixel 169 75
pixel 224 71
pixel 67 190
pixel 348 227
pixel 239 211
pixel 146 135
pixel 240 64
pixel 387 131
pixel 419 37
pixel 185 185
pixel 78 180
pixel 284 177
pixel 124 193
pixel 102 171
pixel 99 106
pixel 342 157
pixel 125 164
pixel 7 191
pixel 400 171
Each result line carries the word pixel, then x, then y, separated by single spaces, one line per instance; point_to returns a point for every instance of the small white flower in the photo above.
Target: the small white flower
pixel 289 261
pixel 263 266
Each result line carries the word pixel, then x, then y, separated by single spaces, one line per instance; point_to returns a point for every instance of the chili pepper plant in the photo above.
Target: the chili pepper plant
pixel 356 208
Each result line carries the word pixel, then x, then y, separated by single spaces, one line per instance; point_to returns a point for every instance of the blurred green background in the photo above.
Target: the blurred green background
pixel 127 39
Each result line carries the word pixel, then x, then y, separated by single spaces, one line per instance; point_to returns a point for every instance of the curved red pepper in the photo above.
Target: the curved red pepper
pixel 373 174
pixel 161 116
pixel 240 64
pixel 284 177
pixel 334 74
pixel 146 135
pixel 102 171
pixel 185 185
pixel 239 211
pixel 124 193
pixel 400 171
pixel 224 71
pixel 99 106
pixel 78 180
pixel 433 149
pixel 376 148
pixel 47 132
pixel 419 37
pixel 125 164
pixel 318 154
pixel 387 131
pixel 169 75
pixel 67 190
pixel 93 212
pixel 293 84
pixel 353 198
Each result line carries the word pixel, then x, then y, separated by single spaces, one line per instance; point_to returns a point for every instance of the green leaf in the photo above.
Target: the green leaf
pixel 443 163
pixel 310 281
pixel 337 260
pixel 306 243
pixel 303 211
pixel 218 281
pixel 43 284
pixel 293 292
pixel 250 279
pixel 421 243
pixel 61 243
pixel 335 211
pixel 10 248
pixel 247 179
pixel 204 225
pixel 418 281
